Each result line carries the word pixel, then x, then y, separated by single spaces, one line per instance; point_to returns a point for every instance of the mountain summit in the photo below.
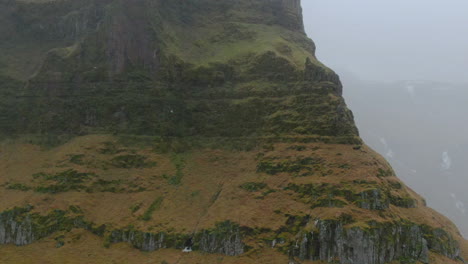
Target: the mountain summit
pixel 134 130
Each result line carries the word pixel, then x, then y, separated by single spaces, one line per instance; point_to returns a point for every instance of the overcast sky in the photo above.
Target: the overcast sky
pixel 391 39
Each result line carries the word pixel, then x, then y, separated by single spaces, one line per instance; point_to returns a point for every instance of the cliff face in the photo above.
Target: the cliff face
pixel 208 124
pixel 243 54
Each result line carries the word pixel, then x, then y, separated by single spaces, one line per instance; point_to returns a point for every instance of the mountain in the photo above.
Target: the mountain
pixel 430 150
pixel 134 129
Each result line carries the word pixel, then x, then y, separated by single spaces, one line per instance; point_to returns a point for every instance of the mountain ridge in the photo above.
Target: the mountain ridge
pixel 160 125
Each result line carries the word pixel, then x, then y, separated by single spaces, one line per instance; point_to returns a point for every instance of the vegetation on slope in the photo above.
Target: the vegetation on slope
pixel 227 134
pixel 182 71
pixel 218 185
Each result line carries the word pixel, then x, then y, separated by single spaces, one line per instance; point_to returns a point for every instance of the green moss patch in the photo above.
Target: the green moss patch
pixel 155 205
pixel 18 187
pixel 300 166
pixel 129 161
pixel 69 180
pixel 73 180
pixel 253 186
pixel 179 163
pixel 326 195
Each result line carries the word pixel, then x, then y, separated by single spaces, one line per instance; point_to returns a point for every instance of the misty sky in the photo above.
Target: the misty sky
pixel 391 40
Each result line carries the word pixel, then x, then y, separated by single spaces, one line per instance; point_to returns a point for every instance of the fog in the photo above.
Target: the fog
pixel 391 40
pixel 403 67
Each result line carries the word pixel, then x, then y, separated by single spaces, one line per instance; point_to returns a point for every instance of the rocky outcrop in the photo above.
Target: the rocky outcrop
pixel 141 240
pixel 442 243
pixel 15 230
pixel 290 13
pixel 229 243
pixel 372 200
pixel 317 73
pixel 20 227
pixel 58 21
pixel 225 238
pixel 377 244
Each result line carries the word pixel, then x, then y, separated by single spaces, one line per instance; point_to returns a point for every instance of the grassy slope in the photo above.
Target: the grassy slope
pixel 88 249
pixel 189 206
pixel 211 46
pixel 120 254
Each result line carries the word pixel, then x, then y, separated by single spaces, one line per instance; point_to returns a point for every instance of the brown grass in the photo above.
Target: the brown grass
pixel 190 206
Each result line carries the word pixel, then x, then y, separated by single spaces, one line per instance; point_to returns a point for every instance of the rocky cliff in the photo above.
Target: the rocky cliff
pixel 171 57
pixel 203 124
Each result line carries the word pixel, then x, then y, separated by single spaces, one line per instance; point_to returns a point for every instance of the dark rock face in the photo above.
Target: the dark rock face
pixel 20 227
pixel 373 200
pixel 129 42
pixel 378 244
pixel 290 13
pixel 15 232
pixel 314 72
pixel 441 242
pixel 229 244
pixel 57 21
pixel 226 241
pixel 140 240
